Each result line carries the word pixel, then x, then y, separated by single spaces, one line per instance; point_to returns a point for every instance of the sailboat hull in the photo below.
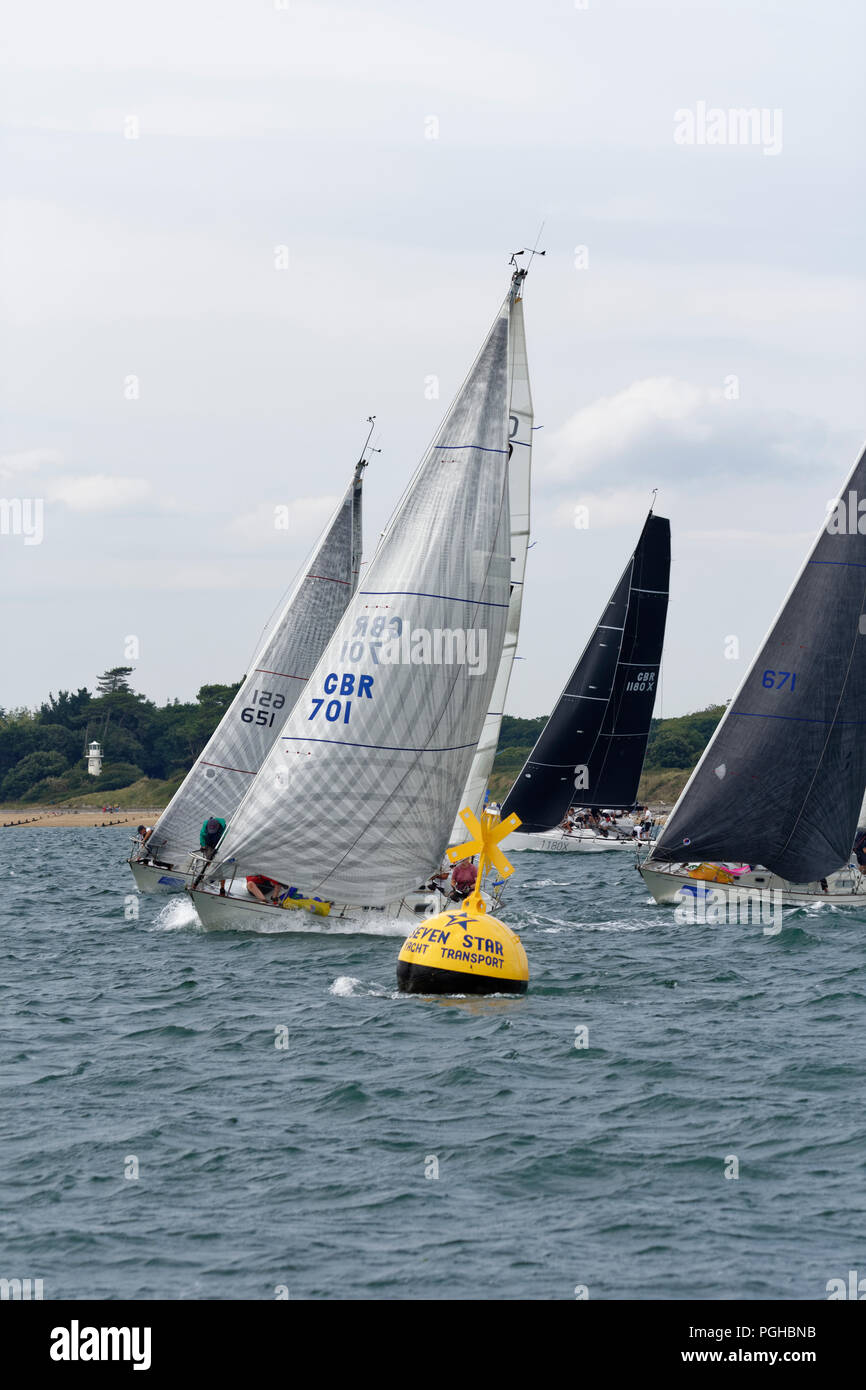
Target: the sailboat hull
pixel 557 842
pixel 676 885
pixel 245 913
pixel 150 879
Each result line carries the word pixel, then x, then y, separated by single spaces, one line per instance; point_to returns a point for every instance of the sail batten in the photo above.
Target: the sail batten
pixel 781 781
pixel 599 764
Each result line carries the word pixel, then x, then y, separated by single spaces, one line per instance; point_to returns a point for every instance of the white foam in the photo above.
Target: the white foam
pixel 177 915
pixel 344 986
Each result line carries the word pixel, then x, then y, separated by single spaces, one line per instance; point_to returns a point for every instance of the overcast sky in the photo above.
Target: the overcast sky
pixel 709 341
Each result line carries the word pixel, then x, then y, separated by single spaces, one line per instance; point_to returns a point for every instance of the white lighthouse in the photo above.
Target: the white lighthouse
pixel 94 758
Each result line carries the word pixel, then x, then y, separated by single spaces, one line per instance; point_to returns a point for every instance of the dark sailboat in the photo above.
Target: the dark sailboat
pixel 592 748
pixel 781 782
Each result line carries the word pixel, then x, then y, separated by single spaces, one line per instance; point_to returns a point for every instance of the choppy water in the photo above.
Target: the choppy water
pixel 304 1167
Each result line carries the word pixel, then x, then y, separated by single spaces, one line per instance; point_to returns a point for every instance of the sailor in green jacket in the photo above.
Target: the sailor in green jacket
pixel 210 835
pixel 212 832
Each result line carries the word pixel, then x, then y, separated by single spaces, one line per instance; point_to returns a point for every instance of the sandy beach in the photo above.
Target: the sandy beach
pixel 65 819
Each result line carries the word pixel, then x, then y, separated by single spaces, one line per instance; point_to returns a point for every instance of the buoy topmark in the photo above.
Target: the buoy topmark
pixel 462 952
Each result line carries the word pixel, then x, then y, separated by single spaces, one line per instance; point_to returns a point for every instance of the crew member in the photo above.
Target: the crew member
pixel 264 889
pixel 210 835
pixel 463 877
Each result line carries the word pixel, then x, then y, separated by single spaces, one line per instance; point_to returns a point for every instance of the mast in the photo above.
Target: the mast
pixel 520 430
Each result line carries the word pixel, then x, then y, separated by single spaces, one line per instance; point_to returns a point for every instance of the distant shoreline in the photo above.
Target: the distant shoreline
pixel 11 818
pixel 88 819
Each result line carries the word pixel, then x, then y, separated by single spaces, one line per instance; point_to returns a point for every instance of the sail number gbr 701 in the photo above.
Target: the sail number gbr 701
pixel 345 685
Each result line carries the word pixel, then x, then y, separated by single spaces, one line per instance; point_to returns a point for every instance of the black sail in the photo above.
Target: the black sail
pixel 781 782
pixel 602 718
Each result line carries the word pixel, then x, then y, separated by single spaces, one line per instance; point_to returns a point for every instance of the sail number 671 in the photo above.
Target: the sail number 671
pixel 775 680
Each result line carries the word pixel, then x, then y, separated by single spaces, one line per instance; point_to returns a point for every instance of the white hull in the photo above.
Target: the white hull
pixel 673 885
pixel 150 879
pixel 245 913
pixel 558 842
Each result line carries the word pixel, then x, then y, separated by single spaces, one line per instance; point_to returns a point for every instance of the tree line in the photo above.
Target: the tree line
pixel 43 751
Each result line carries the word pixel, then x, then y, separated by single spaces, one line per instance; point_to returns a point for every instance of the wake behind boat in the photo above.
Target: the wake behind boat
pixel 773 804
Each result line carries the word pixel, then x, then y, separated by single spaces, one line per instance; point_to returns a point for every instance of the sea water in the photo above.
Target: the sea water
pixel 670 1112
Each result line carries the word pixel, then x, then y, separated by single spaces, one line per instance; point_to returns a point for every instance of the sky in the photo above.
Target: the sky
pixel 233 229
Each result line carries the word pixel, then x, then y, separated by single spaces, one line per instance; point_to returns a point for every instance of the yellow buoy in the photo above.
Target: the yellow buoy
pixel 463 950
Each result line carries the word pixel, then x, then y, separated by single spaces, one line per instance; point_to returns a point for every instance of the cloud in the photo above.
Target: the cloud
pixel 27 461
pixel 664 428
pixel 604 431
pixel 98 493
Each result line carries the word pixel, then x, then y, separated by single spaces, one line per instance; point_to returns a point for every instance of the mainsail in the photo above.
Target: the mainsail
pixel 520 418
pixel 357 797
pixel 591 749
pixel 236 750
pixel 781 781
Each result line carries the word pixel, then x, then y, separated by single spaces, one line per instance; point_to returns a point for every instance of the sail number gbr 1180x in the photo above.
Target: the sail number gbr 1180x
pixel 348 686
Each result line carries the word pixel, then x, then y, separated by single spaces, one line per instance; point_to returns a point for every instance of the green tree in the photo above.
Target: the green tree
pixel 29 771
pixel 114 679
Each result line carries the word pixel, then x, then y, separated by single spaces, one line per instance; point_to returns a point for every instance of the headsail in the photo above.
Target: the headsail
pixel 591 749
pixel 519 476
pixel 217 782
pixel 781 781
pixel 356 799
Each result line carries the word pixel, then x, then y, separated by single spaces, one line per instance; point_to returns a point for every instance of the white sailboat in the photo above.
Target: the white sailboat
pixel 356 800
pixel 217 782
pixel 773 805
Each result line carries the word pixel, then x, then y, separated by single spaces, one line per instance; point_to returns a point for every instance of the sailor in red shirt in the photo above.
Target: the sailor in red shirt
pixel 264 889
pixel 463 879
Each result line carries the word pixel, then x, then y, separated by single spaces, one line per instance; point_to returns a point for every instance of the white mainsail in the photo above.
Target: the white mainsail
pixel 217 782
pixel 357 797
pixel 519 477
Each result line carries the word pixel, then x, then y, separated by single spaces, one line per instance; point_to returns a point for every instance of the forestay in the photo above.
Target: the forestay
pixel 520 421
pixel 218 781
pixel 356 800
pixel 781 781
pixel 592 748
